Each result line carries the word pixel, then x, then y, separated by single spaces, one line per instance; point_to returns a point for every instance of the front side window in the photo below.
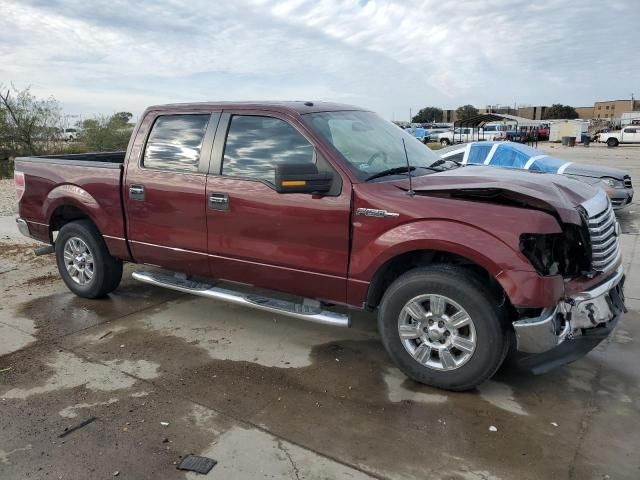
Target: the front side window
pixel 175 142
pixel 256 144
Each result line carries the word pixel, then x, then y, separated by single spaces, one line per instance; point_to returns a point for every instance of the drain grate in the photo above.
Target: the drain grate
pixel 197 464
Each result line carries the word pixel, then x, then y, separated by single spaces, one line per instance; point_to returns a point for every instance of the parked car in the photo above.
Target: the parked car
pixel 335 205
pixel 616 183
pixel 629 134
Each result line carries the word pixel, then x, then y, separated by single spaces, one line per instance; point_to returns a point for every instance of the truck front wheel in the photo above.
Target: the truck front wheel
pixel 84 263
pixel 445 142
pixel 612 142
pixel 443 327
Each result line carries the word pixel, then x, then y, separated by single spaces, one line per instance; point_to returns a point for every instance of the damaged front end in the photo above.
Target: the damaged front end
pixel 580 321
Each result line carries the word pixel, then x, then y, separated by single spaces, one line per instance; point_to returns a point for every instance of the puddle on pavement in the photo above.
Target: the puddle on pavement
pixel 63 313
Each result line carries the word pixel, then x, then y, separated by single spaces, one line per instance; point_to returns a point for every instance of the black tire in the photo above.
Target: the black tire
pixel 107 270
pixel 612 142
pixel 445 142
pixel 466 289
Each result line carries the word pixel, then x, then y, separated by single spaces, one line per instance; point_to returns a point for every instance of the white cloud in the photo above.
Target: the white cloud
pixel 384 55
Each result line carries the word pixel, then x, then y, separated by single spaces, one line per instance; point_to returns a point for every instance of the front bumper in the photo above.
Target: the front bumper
pixel 573 327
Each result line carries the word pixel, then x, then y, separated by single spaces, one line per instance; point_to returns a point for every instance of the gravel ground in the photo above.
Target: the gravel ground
pixel 8 204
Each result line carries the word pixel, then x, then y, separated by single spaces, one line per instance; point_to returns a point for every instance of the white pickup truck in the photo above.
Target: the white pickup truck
pixel 630 134
pixel 464 135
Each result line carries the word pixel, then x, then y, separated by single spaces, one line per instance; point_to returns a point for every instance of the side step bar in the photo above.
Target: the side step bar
pixel 309 310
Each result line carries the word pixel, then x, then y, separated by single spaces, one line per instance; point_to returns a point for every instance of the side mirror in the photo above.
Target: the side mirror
pixel 302 178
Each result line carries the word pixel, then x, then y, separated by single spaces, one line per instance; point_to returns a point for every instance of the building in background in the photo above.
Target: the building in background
pixel 613 109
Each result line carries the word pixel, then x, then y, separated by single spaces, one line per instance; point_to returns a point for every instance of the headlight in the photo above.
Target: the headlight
pixel 612 182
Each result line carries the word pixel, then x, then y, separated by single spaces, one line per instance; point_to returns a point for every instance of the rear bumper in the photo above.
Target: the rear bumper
pixel 573 327
pixel 23 227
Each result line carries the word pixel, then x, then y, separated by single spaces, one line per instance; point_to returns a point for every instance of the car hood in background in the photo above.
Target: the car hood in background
pixel 595 171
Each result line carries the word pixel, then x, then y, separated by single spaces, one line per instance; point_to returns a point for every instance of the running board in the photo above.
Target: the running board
pixel 309 310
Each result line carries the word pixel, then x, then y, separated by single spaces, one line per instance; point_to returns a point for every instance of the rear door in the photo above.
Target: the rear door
pixel 293 242
pixel 164 190
pixel 631 135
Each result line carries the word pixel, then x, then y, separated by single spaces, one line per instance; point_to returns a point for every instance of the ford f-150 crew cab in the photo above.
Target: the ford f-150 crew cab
pixel 332 205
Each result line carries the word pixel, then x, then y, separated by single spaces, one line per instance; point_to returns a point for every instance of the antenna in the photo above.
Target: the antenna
pixel 406 156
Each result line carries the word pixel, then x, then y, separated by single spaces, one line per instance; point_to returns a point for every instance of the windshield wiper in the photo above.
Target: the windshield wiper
pixel 390 171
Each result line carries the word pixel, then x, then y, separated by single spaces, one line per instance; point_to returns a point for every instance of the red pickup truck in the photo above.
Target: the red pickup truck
pixel 334 205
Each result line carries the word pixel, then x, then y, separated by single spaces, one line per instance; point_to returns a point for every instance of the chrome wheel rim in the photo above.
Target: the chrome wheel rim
pixel 437 332
pixel 78 260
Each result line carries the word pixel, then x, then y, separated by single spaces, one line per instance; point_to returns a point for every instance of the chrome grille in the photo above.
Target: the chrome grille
pixel 605 249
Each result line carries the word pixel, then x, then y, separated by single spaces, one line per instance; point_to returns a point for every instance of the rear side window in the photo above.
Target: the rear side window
pixel 175 142
pixel 478 153
pixel 256 144
pixel 509 157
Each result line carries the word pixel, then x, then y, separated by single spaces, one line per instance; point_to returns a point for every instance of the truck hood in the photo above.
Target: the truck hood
pixel 555 194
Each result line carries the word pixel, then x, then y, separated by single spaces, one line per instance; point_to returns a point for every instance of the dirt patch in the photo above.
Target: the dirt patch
pixel 41 280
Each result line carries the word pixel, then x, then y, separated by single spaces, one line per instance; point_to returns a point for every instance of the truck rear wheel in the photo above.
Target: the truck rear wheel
pixel 443 327
pixel 612 142
pixel 84 263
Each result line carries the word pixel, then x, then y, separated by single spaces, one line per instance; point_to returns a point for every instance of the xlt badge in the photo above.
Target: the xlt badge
pixel 373 212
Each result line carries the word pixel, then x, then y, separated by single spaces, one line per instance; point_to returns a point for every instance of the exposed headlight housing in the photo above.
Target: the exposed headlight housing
pixel 565 254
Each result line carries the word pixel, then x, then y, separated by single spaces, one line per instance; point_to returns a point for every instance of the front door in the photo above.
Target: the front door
pixel 164 191
pixel 293 242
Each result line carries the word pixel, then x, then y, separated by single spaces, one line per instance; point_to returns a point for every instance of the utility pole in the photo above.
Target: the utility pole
pixel 410 115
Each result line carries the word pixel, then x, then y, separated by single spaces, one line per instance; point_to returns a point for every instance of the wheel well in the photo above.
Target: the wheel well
pixel 396 266
pixel 63 215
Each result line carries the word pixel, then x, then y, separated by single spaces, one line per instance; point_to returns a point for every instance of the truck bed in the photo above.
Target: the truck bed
pixel 91 182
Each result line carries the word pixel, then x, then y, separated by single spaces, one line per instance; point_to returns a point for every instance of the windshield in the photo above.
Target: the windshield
pixel 368 143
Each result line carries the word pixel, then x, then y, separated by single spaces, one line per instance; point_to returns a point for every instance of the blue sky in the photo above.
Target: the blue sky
pixel 388 56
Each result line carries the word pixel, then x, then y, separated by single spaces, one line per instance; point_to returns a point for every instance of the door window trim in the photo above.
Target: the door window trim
pixel 205 148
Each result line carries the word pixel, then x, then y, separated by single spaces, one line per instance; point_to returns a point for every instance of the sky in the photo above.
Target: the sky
pixel 387 56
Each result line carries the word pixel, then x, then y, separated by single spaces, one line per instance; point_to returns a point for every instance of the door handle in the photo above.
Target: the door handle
pixel 136 192
pixel 218 201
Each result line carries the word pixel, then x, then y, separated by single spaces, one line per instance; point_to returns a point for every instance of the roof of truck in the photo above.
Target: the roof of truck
pixel 299 107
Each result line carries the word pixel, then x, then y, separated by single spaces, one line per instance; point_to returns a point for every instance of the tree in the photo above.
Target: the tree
pixel 106 133
pixel 466 112
pixel 28 125
pixel 557 110
pixel 428 115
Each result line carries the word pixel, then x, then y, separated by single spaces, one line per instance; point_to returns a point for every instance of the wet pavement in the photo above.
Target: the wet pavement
pixel 272 397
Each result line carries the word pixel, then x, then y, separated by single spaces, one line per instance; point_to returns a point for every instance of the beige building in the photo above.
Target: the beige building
pixel 614 108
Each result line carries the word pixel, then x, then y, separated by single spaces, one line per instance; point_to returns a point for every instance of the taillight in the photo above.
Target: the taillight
pixel 18 179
